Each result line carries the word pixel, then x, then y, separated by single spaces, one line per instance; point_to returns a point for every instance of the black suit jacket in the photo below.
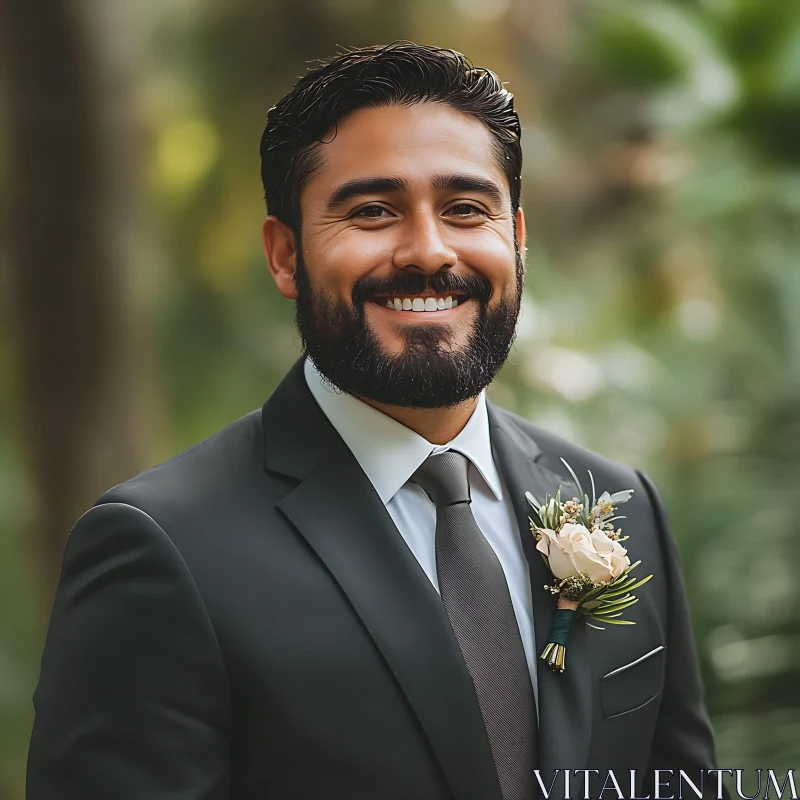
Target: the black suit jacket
pixel 245 621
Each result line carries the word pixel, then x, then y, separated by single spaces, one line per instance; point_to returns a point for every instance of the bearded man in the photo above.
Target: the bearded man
pixel 338 596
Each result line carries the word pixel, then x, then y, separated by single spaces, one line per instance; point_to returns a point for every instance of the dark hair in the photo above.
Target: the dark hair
pixel 401 73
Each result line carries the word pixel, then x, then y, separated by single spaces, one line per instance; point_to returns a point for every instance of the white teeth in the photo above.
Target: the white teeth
pixel 421 303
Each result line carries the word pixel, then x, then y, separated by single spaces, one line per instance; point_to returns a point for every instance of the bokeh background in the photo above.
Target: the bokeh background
pixel 661 323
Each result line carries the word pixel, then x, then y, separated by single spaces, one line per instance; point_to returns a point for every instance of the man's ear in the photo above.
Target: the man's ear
pixel 280 248
pixel 519 222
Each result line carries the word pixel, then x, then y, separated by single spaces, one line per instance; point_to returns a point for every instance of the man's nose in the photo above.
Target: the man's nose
pixel 423 244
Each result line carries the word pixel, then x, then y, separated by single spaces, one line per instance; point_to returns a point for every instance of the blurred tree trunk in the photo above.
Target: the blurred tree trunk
pixel 72 203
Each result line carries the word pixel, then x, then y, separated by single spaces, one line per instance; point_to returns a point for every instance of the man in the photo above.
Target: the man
pixel 338 596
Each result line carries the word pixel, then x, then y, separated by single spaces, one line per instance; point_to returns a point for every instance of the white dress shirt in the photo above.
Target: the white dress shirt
pixel 390 453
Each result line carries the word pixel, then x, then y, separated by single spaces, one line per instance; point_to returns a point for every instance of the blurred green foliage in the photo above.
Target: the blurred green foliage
pixel 660 325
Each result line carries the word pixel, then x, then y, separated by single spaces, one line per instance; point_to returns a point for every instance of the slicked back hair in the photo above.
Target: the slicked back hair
pixel 401 73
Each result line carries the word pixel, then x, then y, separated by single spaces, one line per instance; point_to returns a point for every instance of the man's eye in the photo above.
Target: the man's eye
pixel 466 210
pixel 370 212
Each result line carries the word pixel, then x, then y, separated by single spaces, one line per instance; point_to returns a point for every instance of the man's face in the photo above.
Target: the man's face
pixel 410 206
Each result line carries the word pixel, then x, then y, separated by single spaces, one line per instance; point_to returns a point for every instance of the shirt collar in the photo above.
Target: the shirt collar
pixel 388 451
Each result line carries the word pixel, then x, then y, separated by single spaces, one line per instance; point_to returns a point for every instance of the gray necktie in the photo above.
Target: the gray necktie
pixel 476 598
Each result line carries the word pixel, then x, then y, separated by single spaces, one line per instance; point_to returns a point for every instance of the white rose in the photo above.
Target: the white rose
pixel 575 550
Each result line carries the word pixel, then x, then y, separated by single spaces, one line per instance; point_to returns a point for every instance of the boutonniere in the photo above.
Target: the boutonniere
pixel 591 569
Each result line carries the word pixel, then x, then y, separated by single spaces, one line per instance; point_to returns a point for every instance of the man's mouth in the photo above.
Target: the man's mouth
pixel 421 303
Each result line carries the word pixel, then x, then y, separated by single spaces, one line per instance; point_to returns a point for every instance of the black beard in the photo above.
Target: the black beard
pixel 426 375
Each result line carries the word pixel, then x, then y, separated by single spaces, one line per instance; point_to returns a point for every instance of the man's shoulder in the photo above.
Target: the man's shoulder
pixel 553 447
pixel 196 476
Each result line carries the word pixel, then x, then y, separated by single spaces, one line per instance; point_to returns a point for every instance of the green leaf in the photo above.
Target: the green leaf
pixel 604 601
pixel 574 477
pixel 533 501
pixel 594 491
pixel 616 621
pixel 631 567
pixel 616 602
pixel 621 497
pixel 624 599
pixel 618 606
pixel 611 611
pixel 618 585
pixel 642 582
pixel 593 593
pixel 617 591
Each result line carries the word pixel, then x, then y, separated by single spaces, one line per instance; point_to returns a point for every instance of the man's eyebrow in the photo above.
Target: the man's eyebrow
pixel 383 185
pixel 361 186
pixel 469 183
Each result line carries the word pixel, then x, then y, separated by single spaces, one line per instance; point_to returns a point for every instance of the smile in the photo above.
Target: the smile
pixel 428 304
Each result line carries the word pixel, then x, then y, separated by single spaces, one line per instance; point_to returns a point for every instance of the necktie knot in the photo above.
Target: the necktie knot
pixel 444 477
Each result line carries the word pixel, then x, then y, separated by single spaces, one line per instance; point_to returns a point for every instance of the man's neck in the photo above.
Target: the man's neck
pixel 437 425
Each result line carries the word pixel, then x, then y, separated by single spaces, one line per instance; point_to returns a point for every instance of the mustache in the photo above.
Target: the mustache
pixel 414 283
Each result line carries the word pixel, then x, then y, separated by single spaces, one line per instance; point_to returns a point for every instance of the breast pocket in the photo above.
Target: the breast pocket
pixel 633 684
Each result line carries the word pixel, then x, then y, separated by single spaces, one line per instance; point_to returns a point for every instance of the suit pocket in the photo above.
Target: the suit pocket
pixel 633 684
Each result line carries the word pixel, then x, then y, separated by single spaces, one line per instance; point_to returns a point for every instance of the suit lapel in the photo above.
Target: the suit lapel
pixel 565 700
pixel 337 510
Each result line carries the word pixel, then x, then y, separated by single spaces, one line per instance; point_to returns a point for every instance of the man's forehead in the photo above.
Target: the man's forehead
pixel 416 142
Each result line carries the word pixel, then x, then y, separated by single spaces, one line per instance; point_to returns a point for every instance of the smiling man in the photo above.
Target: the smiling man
pixel 338 596
pixel 412 233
